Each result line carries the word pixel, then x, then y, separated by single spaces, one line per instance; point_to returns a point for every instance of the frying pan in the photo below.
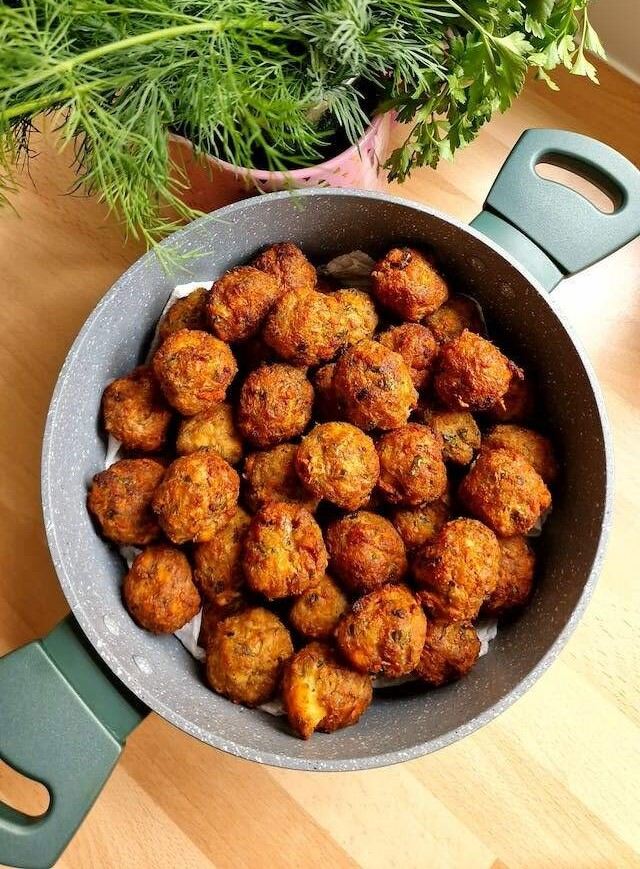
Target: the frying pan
pixel 68 701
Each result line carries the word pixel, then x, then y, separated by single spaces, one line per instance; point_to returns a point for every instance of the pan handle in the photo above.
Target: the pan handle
pixel 64 719
pixel 553 230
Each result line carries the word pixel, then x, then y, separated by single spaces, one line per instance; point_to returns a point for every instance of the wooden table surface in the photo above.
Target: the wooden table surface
pixel 554 782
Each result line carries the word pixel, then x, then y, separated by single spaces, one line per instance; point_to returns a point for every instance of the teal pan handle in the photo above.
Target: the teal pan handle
pixel 551 230
pixel 64 719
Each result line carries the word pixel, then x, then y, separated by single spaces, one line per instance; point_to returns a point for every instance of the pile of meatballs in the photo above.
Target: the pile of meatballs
pixel 342 481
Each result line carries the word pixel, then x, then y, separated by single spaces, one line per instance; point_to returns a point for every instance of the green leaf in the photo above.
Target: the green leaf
pixel 592 40
pixel 539 10
pixel 582 66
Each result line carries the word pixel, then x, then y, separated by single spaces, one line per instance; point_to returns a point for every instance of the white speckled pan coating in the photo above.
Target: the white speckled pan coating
pixel 411 722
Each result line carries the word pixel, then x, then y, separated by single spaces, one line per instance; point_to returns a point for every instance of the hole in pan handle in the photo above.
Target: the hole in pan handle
pixel 553 230
pixel 64 719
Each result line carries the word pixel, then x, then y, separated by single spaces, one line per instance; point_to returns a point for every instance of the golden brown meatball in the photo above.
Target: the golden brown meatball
pixel 325 405
pixel 452 318
pixel 239 301
pixel 384 632
pixel 246 654
pixel 284 553
pixel 317 611
pixel 338 462
pixel 504 491
pixel 459 432
pixel 212 615
pixel 450 651
pixel 458 570
pixel 120 499
pixel 320 693
pixel 517 404
pixel 407 282
pixel 288 265
pixel 411 468
pixel 471 373
pixel 158 590
pixel 357 318
pixel 304 327
pixel 271 476
pixel 187 313
pixel 373 386
pixel 275 404
pixel 197 497
pixel 420 525
pixel 515 579
pixel 194 370
pixel 533 447
pixel 418 348
pixel 135 412
pixel 365 551
pixel 212 429
pixel 218 563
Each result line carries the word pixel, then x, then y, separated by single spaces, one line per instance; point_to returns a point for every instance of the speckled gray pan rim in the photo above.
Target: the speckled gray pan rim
pixel 410 722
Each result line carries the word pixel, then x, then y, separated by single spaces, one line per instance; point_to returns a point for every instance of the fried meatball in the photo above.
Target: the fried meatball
pixel 533 447
pixel 452 318
pixel 246 654
pixel 187 313
pixel 450 651
pixel 517 404
pixel 134 411
pixel 459 432
pixel 358 318
pixel 317 611
pixel 271 476
pixel 411 467
pixel 384 632
pixel 458 570
pixel 320 693
pixel 212 429
pixel 504 491
pixel 288 265
pixel 515 578
pixel 218 563
pixel 158 590
pixel 373 386
pixel 120 499
pixel 197 497
pixel 239 301
pixel 212 615
pixel 406 282
pixel 194 370
pixel 284 553
pixel 325 405
pixel 338 462
pixel 420 525
pixel 304 327
pixel 275 404
pixel 418 348
pixel 471 373
pixel 365 551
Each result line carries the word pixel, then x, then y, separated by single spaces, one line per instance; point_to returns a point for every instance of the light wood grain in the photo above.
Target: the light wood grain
pixel 552 783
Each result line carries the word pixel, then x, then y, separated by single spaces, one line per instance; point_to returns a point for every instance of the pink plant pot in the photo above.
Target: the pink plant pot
pixel 212 183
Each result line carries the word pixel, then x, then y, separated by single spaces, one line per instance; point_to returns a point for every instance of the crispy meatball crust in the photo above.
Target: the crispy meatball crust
pixel 317 611
pixel 320 693
pixel 239 301
pixel 406 282
pixel 504 491
pixel 212 429
pixel 358 318
pixel 517 404
pixel 120 499
pixel 452 318
pixel 284 553
pixel 365 551
pixel 384 632
pixel 194 370
pixel 288 265
pixel 246 654
pixel 304 327
pixel 471 373
pixel 411 467
pixel 197 497
pixel 218 563
pixel 459 432
pixel 450 651
pixel 533 447
pixel 187 313
pixel 420 525
pixel 458 570
pixel 515 579
pixel 338 462
pixel 325 406
pixel 373 386
pixel 275 405
pixel 271 476
pixel 158 590
pixel 418 348
pixel 134 411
